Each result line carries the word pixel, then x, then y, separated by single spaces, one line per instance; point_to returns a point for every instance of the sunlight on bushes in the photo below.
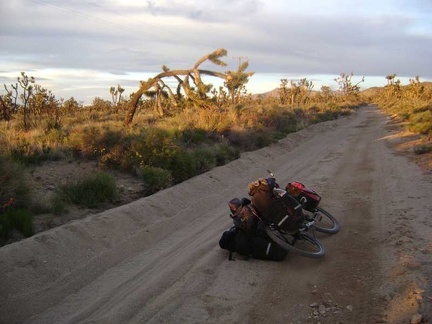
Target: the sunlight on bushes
pixel 168 143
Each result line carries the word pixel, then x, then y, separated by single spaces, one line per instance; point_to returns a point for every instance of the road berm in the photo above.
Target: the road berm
pixel 157 259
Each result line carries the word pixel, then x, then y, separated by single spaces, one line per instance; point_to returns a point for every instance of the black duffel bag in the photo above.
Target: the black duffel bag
pixel 257 245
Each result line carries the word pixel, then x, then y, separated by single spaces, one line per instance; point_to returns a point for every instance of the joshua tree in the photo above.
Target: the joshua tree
pixel 326 94
pixel 284 91
pixel 116 94
pixel 26 84
pixel 392 89
pixel 197 92
pixel 236 80
pixel 8 102
pixel 415 88
pixel 346 87
pixel 298 92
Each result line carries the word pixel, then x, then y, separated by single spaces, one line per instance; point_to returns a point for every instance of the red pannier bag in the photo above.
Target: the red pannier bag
pixel 298 190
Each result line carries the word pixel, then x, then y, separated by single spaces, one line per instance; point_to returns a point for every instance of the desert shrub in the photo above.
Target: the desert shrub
pixel 323 116
pixel 422 109
pixel 93 191
pixel 206 158
pixel 193 135
pixel 154 147
pixel 209 119
pixel 421 122
pixel 54 136
pixel 263 138
pixel 251 139
pixel 27 152
pixel 226 153
pixel 59 203
pixel 116 158
pixel 242 139
pixel 14 190
pixel 17 219
pixel 286 124
pixel 416 112
pixel 100 104
pixel 422 149
pixel 182 165
pixel 85 141
pixel 95 141
pixel 155 178
pixel 34 146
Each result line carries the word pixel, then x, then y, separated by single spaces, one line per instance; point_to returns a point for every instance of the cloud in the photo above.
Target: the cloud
pixel 113 38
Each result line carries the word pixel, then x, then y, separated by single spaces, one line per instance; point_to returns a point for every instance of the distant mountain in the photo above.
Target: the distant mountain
pixel 268 94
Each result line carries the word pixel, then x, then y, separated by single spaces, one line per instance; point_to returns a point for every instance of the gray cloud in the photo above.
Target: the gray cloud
pixel 302 38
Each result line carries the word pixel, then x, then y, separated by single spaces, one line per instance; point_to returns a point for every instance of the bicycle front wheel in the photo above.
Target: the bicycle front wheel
pixel 300 243
pixel 324 222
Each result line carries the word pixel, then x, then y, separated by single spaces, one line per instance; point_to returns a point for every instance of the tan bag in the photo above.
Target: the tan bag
pixel 262 197
pixel 258 185
pixel 285 211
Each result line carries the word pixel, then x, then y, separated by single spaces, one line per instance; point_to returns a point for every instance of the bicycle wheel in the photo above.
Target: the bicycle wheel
pixel 300 243
pixel 325 222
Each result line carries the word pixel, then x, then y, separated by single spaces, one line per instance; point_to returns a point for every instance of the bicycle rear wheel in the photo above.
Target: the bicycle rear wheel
pixel 324 222
pixel 300 243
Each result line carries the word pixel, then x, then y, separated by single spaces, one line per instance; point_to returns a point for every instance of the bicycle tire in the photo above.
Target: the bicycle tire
pixel 300 243
pixel 327 223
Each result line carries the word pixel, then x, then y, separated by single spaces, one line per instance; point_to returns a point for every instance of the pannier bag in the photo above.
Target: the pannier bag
pixel 263 248
pixel 228 240
pixel 285 211
pixel 244 215
pixel 257 246
pixel 299 190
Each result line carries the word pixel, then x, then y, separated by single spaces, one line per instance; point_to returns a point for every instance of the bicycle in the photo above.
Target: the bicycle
pixel 302 241
pixel 288 217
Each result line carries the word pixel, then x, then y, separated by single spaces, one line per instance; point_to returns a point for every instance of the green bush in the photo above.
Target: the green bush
pixel 95 141
pixel 194 136
pixel 286 125
pixel 226 153
pixel 263 138
pixel 18 219
pixel 182 165
pixel 153 146
pixel 421 122
pixel 422 149
pixel 155 178
pixel 91 192
pixel 204 159
pixel 59 203
pixel 14 190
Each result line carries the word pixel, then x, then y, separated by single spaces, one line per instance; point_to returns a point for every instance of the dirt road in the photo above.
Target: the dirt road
pixel 157 260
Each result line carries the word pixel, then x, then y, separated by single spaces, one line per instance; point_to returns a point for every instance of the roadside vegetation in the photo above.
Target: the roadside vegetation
pixel 163 136
pixel 412 103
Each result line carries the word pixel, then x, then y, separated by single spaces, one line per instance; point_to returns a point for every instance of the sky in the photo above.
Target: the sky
pixel 81 48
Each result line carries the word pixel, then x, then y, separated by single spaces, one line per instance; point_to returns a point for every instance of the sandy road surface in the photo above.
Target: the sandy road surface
pixel 157 260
